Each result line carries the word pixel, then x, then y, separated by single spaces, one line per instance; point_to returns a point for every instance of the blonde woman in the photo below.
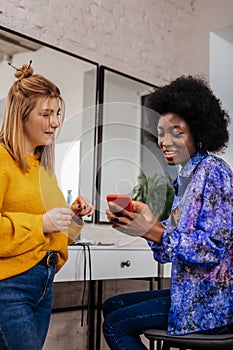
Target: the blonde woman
pixel 36 226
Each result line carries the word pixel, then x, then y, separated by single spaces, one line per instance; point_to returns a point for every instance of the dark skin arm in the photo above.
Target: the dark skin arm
pixel 141 222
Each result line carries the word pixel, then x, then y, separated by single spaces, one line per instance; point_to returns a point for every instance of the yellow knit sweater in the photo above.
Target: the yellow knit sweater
pixel 24 198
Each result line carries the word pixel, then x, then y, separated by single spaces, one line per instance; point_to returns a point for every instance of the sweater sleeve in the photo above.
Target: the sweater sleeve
pixel 75 229
pixel 20 232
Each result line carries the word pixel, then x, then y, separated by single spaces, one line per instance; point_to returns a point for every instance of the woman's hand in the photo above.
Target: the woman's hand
pixel 135 223
pixel 141 222
pixel 56 220
pixel 81 207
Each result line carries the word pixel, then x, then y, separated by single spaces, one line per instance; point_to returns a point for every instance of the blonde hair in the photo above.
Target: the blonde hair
pixel 21 100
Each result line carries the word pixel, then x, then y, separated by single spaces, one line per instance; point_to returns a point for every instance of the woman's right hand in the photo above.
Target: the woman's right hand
pixel 141 222
pixel 57 220
pixel 135 223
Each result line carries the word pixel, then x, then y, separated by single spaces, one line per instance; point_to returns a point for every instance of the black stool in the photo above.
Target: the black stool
pixel 192 341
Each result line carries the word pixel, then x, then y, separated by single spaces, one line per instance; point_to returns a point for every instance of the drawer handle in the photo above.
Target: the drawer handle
pixel 126 263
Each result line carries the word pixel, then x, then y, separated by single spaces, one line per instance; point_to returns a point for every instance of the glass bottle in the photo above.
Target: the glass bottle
pixel 69 198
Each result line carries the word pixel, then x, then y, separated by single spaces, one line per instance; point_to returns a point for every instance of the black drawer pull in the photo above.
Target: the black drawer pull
pixel 126 263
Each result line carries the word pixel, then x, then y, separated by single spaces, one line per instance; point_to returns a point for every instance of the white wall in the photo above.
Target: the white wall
pixel 154 40
pixel 221 75
pixel 208 16
pixel 149 39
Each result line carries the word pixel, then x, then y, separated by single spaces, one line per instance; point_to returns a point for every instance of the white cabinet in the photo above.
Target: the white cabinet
pixel 108 262
pixel 166 270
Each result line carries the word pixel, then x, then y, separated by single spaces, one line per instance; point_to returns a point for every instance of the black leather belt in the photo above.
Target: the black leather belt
pixel 51 259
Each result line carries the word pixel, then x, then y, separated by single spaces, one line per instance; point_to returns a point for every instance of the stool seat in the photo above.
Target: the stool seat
pixel 191 340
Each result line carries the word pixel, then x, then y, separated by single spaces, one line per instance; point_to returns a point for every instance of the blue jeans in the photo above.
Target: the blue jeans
pixel 128 315
pixel 25 309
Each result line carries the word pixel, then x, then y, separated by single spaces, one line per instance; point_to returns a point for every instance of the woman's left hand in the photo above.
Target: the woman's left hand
pixel 81 207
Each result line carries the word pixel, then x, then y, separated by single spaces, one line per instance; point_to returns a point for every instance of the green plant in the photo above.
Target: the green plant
pixel 156 192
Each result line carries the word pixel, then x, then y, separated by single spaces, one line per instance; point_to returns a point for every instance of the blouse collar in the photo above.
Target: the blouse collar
pixel 190 166
pixel 185 174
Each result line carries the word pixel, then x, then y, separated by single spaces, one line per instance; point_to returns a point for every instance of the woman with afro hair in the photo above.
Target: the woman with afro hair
pixel 197 236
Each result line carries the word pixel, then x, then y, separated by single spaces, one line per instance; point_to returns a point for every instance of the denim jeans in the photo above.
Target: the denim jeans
pixel 128 315
pixel 25 309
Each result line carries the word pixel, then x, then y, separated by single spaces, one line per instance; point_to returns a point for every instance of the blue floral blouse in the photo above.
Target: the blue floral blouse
pixel 199 245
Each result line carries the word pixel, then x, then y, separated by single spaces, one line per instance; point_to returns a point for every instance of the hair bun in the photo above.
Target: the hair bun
pixel 24 72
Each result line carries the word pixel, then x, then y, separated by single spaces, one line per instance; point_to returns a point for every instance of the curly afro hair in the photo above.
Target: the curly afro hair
pixel 192 99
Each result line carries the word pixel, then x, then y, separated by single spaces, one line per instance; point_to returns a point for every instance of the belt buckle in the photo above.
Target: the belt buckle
pixel 52 259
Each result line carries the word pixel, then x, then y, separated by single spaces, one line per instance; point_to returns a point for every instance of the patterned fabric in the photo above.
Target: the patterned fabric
pixel 200 247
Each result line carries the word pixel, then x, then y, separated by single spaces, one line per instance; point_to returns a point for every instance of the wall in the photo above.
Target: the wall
pixel 221 75
pixel 142 38
pixel 154 40
pixel 210 15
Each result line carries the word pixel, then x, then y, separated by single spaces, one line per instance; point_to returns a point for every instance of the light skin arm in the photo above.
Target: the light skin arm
pixel 56 220
pixel 141 222
pixel 59 219
pixel 81 207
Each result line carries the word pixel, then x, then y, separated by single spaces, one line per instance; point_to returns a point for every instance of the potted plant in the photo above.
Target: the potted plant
pixel 157 192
